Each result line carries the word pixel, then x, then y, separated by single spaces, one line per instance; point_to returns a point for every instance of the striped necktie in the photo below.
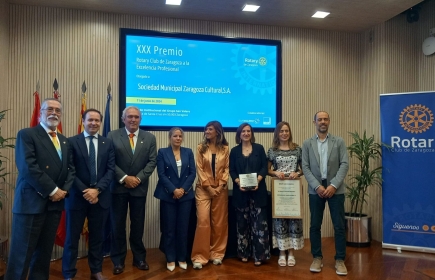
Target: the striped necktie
pixel 56 143
pixel 131 135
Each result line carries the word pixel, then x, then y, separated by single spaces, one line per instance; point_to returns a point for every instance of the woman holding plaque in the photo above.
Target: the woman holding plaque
pixel 248 170
pixel 285 159
pixel 176 170
pixel 212 166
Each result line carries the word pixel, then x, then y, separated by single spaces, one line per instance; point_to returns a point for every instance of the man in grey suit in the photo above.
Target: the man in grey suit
pixel 325 164
pixel 135 159
pixel 45 174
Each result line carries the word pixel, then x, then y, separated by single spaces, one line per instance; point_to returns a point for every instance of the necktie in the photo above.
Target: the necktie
pixel 131 135
pixel 92 164
pixel 56 143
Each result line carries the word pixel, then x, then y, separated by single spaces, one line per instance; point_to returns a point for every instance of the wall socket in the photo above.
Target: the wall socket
pixel 432 32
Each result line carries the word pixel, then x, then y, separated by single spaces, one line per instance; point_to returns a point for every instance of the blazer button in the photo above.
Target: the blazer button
pixel 47 167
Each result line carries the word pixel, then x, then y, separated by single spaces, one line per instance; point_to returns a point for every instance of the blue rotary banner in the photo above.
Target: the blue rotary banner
pixel 408 191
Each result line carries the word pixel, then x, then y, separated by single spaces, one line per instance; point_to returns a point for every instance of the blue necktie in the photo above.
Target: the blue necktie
pixel 92 164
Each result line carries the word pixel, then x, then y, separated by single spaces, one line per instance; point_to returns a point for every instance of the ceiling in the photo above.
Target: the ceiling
pixel 346 15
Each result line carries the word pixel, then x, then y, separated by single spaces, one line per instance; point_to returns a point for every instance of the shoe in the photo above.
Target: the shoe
pixel 142 265
pixel 281 260
pixel 197 265
pixel 317 264
pixel 291 261
pixel 340 267
pixel 182 265
pixel 258 263
pixel 118 269
pixel 98 276
pixel 217 261
pixel 244 260
pixel 170 267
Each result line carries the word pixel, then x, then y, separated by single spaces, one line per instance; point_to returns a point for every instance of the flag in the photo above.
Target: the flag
pixel 106 130
pixel 61 229
pixel 57 96
pixel 106 126
pixel 80 127
pixel 36 110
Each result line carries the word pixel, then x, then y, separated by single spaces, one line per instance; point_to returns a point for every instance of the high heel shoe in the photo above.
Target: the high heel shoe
pixel 183 265
pixel 170 267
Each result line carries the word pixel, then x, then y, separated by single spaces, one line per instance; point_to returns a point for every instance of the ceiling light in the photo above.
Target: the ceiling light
pixel 320 14
pixel 173 2
pixel 250 8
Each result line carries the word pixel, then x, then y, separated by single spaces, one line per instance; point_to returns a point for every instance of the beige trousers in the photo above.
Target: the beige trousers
pixel 211 233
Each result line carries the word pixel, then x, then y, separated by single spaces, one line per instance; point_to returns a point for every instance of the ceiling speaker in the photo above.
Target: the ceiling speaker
pixel 429 46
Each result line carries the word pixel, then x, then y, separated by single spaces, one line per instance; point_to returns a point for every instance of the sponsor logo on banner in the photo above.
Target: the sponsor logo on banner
pixel 414 119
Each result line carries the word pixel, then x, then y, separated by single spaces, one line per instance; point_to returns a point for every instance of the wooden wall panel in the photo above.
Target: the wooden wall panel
pixel 339 72
pixel 5 124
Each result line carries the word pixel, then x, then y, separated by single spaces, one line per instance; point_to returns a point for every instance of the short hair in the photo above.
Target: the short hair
pixel 44 102
pixel 315 115
pixel 172 131
pixel 239 131
pixel 128 108
pixel 91 110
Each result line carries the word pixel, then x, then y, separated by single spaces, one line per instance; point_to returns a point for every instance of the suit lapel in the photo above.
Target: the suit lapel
pixel 48 143
pixel 139 145
pixel 315 148
pixel 171 159
pixel 184 158
pixel 101 150
pixel 81 142
pixel 124 138
pixel 331 144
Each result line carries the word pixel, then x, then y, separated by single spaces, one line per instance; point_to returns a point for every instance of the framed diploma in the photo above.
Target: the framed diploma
pixel 286 198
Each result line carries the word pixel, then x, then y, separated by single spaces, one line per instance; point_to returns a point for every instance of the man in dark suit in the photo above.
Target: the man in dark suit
pixel 135 157
pixel 325 164
pixel 45 174
pixel 94 160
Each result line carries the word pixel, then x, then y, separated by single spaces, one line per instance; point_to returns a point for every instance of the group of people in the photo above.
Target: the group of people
pixel 92 175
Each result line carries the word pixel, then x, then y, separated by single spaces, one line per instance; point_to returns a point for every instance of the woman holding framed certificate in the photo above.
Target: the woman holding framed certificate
pixel 211 194
pixel 285 158
pixel 248 169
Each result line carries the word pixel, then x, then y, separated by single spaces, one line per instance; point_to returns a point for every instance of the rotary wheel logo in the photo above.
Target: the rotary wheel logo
pixel 416 118
pixel 255 68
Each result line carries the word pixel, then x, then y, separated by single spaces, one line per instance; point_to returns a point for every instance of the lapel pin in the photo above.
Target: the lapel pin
pixel 141 142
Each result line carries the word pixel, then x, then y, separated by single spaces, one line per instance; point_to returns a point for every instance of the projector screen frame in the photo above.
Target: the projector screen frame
pixel 124 32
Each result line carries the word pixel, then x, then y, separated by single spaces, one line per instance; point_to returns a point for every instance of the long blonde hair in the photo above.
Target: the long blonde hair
pixel 275 142
pixel 220 138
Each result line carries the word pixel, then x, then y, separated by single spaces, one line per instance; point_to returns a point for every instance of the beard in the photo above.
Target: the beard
pixel 52 121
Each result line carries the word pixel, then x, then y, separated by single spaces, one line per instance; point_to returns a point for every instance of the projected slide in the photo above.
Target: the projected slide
pixel 182 82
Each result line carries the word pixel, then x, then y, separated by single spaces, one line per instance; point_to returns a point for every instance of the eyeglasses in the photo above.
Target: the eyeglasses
pixel 51 110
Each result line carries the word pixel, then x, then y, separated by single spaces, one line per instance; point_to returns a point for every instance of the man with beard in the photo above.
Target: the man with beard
pixel 135 159
pixel 45 174
pixel 325 164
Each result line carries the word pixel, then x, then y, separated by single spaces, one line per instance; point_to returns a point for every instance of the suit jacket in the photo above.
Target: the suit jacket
pixel 105 172
pixel 168 174
pixel 140 164
pixel 205 173
pixel 257 164
pixel 40 170
pixel 338 163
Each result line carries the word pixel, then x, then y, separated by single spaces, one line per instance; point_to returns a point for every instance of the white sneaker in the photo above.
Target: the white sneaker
pixel 217 261
pixel 197 265
pixel 316 266
pixel 340 267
